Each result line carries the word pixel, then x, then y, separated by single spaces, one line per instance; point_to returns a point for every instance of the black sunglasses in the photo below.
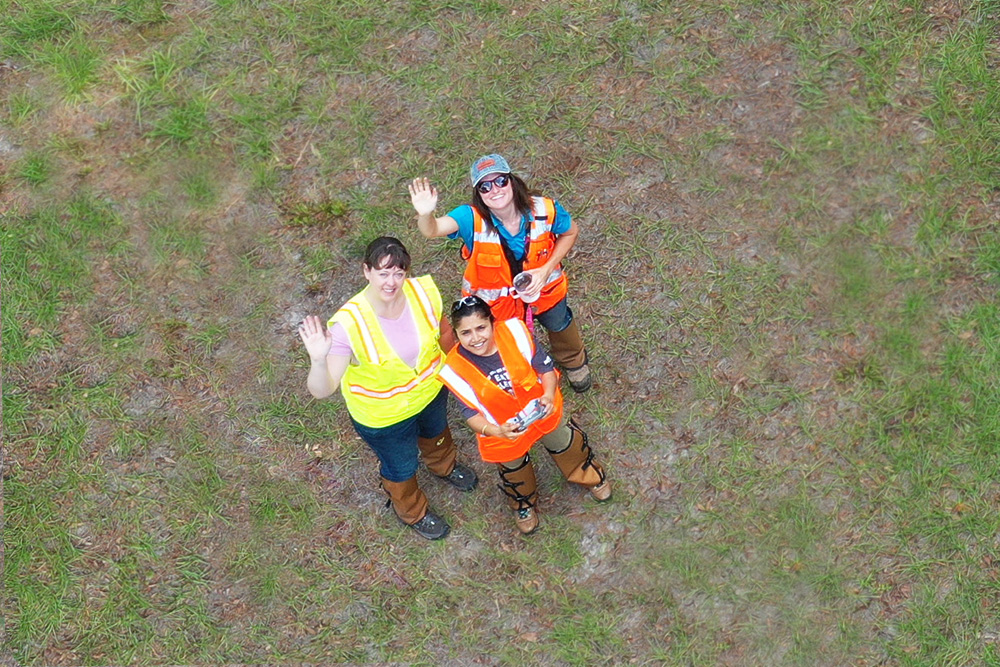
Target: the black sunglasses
pixel 500 181
pixel 464 301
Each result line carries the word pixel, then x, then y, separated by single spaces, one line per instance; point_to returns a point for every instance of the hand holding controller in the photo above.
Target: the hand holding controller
pixel 531 413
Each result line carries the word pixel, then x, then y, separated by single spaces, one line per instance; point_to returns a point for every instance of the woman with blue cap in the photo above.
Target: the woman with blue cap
pixel 509 230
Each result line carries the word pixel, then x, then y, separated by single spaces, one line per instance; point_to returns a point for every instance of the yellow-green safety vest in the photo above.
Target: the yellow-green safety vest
pixel 381 389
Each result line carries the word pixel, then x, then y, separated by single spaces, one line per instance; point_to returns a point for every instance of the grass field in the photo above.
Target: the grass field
pixel 786 277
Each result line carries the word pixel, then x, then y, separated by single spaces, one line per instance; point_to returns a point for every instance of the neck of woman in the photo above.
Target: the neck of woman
pixel 387 309
pixel 510 217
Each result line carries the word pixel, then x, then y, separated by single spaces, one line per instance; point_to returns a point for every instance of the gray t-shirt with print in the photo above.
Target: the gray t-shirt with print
pixel 493 368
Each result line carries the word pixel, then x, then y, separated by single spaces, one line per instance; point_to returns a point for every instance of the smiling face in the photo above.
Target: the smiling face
pixel 498 197
pixel 385 283
pixel 475 334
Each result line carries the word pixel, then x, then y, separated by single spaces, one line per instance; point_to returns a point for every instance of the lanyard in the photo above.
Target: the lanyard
pixel 529 318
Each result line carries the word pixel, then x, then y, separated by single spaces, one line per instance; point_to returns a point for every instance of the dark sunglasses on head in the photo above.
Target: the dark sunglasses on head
pixel 464 301
pixel 500 181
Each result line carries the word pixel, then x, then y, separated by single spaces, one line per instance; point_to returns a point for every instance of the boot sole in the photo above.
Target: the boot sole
pixel 429 536
pixel 582 385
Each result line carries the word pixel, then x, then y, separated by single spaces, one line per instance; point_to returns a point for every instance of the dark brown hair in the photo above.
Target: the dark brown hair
pixel 469 305
pixel 387 247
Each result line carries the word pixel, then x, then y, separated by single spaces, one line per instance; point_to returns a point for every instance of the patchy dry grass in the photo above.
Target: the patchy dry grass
pixel 786 279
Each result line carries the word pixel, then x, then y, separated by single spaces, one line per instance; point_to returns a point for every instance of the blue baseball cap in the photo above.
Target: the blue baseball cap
pixel 486 165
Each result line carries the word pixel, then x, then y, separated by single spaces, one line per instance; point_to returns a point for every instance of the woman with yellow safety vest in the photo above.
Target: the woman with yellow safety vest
pixel 383 348
pixel 509 393
pixel 507 230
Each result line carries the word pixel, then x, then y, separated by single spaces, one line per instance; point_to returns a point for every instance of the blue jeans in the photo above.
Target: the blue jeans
pixel 557 317
pixel 396 445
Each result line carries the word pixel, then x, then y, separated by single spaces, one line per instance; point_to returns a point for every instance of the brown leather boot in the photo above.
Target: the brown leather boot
pixel 580 378
pixel 521 489
pixel 578 465
pixel 568 352
pixel 410 505
pixel 439 456
pixel 438 453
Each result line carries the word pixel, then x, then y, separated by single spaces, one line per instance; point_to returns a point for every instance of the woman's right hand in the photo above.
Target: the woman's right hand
pixel 508 431
pixel 423 195
pixel 316 338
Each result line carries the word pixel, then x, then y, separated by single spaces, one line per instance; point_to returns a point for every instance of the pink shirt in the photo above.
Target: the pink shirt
pixel 400 332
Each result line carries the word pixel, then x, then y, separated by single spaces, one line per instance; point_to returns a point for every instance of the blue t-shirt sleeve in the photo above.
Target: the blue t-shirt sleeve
pixel 542 362
pixel 466 229
pixel 562 221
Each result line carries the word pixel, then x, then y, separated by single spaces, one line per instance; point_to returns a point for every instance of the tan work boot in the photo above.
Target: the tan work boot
pixel 602 492
pixel 579 378
pixel 567 350
pixel 410 506
pixel 526 520
pixel 438 453
pixel 439 456
pixel 577 465
pixel 521 489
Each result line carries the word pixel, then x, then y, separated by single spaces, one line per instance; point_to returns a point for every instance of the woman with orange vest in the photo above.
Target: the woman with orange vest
pixel 509 393
pixel 506 230
pixel 383 349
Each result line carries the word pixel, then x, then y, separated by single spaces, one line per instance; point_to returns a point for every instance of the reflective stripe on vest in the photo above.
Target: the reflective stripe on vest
pixel 465 392
pixel 487 295
pixel 523 341
pixel 428 371
pixel 371 350
pixel 491 295
pixel 426 309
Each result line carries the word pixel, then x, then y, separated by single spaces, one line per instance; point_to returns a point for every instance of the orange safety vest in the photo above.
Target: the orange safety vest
pixel 468 383
pixel 487 273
